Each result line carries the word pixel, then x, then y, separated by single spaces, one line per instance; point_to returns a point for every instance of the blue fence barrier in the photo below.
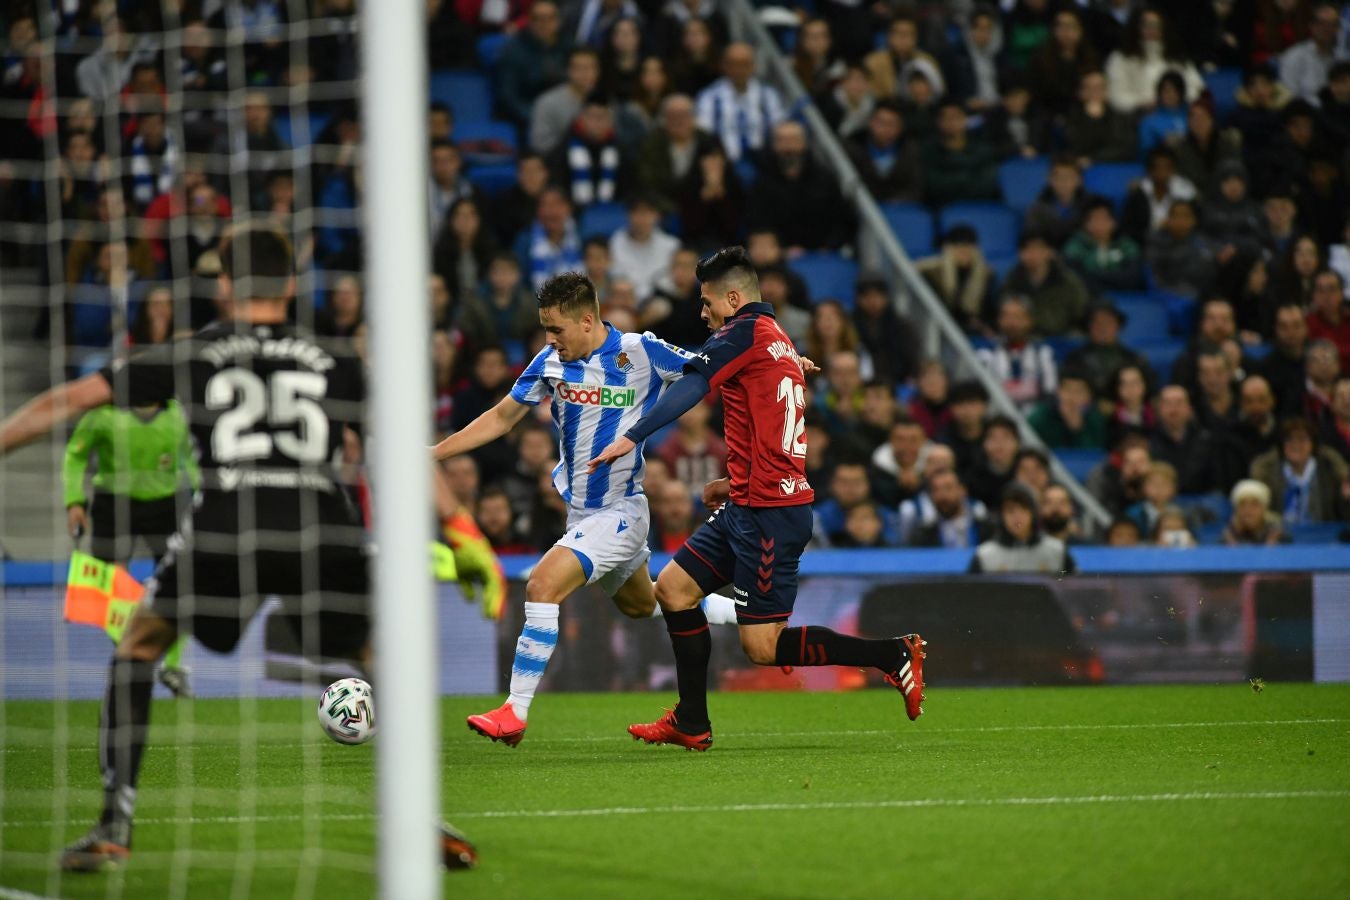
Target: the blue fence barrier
pixel 1091 561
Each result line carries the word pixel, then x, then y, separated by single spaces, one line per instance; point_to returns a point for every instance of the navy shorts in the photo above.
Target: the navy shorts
pixel 756 551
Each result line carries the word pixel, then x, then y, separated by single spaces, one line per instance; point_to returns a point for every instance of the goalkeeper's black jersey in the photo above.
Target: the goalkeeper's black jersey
pixel 266 406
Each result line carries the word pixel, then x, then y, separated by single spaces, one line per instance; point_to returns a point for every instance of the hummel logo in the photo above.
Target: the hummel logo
pixel 623 526
pixel 577 535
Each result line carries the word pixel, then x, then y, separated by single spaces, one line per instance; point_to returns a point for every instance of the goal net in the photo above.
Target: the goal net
pixel 133 137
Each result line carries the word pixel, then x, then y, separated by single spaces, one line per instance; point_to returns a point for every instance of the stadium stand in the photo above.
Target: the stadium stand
pixel 1020 181
pixel 709 205
pixel 913 227
pixel 468 93
pixel 1112 180
pixel 996 225
pixel 828 276
pixel 602 219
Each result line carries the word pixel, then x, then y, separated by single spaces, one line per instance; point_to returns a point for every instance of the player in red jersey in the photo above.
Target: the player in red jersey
pixel 753 542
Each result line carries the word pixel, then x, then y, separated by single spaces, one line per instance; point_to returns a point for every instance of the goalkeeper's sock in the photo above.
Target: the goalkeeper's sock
pixel 693 648
pixel 813 645
pixel 122 732
pixel 534 647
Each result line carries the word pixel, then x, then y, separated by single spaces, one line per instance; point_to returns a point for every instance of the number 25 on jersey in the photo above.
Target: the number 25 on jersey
pixel 287 399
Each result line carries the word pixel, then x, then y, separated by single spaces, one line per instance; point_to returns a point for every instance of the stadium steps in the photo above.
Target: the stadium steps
pixel 31 525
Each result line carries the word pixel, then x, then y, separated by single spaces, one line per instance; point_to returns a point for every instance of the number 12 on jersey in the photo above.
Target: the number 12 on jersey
pixel 791 395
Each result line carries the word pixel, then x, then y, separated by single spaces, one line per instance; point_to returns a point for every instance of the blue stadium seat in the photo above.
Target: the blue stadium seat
pixel 912 225
pixel 1112 180
pixel 1210 533
pixel 468 93
pixel 489 48
pixel 1022 180
pixel 1146 320
pixel 485 143
pixel 492 179
pixel 1080 462
pixel 602 219
pixel 1317 533
pixel 828 276
pixel 1002 265
pixel 1257 352
pixel 1161 355
pixel 1063 346
pixel 996 225
pixel 1181 312
pixel 296 132
pixel 1223 84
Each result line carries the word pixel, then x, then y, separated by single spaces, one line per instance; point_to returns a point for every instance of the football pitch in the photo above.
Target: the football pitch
pixel 1216 791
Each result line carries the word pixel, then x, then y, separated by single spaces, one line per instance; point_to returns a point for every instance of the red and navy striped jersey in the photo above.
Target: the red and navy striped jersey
pixel 752 361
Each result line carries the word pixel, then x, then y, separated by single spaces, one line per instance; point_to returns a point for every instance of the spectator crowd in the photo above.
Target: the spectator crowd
pixel 633 136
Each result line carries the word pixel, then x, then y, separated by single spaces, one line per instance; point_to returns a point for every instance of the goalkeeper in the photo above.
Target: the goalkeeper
pixel 143 458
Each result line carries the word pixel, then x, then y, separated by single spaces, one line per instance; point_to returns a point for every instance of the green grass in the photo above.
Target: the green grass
pixel 1160 792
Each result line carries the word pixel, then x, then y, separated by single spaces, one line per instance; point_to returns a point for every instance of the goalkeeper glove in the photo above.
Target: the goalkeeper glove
pixel 480 572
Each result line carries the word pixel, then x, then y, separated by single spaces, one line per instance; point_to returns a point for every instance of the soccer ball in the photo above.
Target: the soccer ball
pixel 346 711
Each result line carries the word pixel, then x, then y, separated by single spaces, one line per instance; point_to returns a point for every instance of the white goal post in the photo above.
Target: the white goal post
pixel 393 109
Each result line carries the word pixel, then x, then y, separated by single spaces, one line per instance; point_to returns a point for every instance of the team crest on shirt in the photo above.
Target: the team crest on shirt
pixel 623 362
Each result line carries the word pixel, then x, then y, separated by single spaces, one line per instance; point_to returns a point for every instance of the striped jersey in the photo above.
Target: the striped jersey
pixel 594 401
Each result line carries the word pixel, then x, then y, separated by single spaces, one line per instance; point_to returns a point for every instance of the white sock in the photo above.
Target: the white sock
pixel 720 610
pixel 534 647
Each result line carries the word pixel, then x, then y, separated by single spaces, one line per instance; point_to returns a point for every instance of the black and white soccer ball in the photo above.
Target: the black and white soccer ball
pixel 347 712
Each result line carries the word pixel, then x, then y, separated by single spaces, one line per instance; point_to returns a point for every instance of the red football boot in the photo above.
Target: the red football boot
pixel 664 731
pixel 501 724
pixel 908 679
pixel 457 851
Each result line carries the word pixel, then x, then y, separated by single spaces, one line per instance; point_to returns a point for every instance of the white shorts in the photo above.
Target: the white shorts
pixel 612 540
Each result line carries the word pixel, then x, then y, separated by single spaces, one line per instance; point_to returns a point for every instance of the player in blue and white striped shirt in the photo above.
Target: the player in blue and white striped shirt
pixel 601 382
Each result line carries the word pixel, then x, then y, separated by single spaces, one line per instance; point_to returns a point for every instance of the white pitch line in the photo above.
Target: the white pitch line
pixel 1000 728
pixel 905 804
pixel 16 894
pixel 937 802
pixel 741 735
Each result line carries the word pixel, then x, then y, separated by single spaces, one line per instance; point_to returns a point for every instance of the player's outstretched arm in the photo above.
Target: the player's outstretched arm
pixel 51 408
pixel 678 399
pixel 483 430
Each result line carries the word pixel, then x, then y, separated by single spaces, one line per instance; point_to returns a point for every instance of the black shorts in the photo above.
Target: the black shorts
pixel 321 576
pixel 756 551
pixel 115 523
